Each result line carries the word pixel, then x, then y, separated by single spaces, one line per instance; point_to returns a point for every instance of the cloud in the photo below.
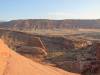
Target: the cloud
pixel 82 15
pixel 59 15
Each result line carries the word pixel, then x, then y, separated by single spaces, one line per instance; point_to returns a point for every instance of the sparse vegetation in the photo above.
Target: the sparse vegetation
pixel 63 49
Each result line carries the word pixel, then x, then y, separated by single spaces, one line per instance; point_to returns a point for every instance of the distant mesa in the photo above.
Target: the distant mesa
pixel 34 24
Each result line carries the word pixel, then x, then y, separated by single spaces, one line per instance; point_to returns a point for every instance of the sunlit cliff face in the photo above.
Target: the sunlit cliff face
pixel 82 44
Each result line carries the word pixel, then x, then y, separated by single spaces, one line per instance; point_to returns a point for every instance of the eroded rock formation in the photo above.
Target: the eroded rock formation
pixel 74 55
pixel 12 63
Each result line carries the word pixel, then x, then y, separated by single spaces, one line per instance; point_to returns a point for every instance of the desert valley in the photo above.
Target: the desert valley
pixel 50 47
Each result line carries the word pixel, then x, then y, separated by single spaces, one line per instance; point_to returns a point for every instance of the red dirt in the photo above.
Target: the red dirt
pixel 12 63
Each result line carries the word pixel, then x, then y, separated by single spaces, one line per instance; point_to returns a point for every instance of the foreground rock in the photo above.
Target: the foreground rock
pixel 12 63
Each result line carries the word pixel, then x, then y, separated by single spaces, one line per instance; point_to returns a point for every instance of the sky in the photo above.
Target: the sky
pixel 49 9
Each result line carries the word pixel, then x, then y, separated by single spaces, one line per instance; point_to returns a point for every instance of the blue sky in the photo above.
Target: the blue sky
pixel 49 9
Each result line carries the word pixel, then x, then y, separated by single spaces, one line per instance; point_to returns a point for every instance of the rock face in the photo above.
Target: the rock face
pixel 81 43
pixel 54 43
pixel 31 50
pixel 25 44
pixel 12 63
pixel 14 38
pixel 98 51
pixel 74 55
pixel 35 53
pixel 49 24
pixel 81 58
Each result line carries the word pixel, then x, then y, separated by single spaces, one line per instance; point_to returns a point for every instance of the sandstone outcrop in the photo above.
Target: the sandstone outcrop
pixel 12 63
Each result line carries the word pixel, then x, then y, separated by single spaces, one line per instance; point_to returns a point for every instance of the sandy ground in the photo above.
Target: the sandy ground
pixel 12 63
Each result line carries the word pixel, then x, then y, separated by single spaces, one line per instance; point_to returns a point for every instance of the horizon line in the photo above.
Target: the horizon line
pixel 46 19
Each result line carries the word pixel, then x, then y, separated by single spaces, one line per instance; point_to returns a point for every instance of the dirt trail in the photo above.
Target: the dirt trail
pixel 12 63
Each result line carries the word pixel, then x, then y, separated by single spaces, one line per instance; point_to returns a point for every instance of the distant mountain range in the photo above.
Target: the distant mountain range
pixel 49 24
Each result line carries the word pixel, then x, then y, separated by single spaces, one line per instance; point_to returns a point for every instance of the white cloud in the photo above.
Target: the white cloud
pixel 82 15
pixel 59 15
